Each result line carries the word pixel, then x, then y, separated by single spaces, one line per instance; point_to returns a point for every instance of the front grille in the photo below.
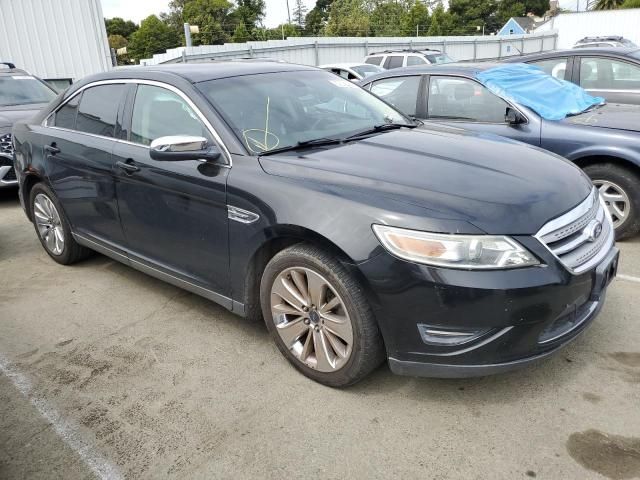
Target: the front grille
pixel 581 237
pixel 6 146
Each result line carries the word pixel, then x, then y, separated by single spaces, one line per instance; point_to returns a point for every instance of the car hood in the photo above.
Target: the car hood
pixel 610 115
pixel 497 185
pixel 14 113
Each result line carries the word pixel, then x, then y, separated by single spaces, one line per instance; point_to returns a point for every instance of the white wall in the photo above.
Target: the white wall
pixel 572 27
pixel 54 38
pixel 321 50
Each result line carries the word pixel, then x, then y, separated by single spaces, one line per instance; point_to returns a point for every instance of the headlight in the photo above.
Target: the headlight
pixel 454 251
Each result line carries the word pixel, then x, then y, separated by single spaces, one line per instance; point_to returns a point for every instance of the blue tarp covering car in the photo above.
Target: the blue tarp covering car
pixel 528 85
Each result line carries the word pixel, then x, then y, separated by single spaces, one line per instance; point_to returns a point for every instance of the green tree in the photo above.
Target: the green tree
pixel 508 9
pixel 605 4
pixel 387 19
pixel 471 14
pixel 442 22
pixel 630 4
pixel 417 16
pixel 117 41
pixel 348 18
pixel 211 16
pixel 317 17
pixel 299 13
pixel 118 26
pixel 241 34
pixel 153 36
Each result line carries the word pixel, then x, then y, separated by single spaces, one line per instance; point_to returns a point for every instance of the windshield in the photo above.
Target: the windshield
pixel 277 110
pixel 528 85
pixel 439 58
pixel 367 70
pixel 23 90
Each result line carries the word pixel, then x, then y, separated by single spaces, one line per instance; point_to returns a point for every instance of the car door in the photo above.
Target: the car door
pixel 616 80
pixel 78 148
pixel 173 213
pixel 465 103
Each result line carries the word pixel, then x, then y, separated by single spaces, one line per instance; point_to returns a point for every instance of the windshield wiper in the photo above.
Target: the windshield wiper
pixel 316 142
pixel 380 128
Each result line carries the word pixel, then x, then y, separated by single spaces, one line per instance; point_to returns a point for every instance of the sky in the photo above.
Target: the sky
pixel 137 10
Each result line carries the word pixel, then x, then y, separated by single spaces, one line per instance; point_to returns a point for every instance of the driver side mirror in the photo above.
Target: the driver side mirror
pixel 182 147
pixel 513 117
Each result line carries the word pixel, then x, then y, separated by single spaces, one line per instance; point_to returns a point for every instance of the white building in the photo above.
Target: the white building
pixel 56 40
pixel 571 27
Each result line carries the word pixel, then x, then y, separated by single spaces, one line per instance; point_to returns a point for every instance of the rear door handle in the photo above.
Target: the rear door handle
pixel 52 149
pixel 128 166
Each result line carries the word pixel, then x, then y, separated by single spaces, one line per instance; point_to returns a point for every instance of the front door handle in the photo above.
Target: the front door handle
pixel 52 149
pixel 128 166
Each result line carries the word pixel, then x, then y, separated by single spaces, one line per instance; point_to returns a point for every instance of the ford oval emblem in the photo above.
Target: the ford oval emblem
pixel 593 230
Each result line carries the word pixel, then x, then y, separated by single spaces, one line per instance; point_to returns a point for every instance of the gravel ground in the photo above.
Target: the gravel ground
pixel 106 372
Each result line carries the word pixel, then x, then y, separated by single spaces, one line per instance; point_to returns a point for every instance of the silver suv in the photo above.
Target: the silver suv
pixel 406 58
pixel 21 96
pixel 610 41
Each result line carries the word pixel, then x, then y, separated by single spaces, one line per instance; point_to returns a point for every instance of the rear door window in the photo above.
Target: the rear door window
pixel 373 60
pixel 393 61
pixel 597 73
pixel 98 109
pixel 415 60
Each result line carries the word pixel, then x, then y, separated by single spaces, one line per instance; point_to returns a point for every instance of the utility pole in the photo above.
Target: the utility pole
pixel 417 30
pixel 288 12
pixel 187 34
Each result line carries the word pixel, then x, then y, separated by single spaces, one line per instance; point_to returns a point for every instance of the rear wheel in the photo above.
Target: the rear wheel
pixel 620 189
pixel 53 228
pixel 319 317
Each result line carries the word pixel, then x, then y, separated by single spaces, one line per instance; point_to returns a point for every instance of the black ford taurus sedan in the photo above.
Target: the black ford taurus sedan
pixel 283 192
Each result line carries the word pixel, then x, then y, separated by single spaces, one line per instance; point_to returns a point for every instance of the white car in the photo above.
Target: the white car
pixel 406 58
pixel 352 71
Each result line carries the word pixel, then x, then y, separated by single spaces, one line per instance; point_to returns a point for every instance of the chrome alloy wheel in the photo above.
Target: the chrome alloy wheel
pixel 616 200
pixel 311 319
pixel 48 223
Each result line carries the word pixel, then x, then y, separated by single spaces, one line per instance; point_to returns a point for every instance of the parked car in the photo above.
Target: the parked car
pixel 352 71
pixel 609 41
pixel 21 96
pixel 281 191
pixel 612 73
pixel 604 141
pixel 406 58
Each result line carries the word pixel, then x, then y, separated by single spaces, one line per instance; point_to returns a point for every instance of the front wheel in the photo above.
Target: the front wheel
pixel 619 187
pixel 319 317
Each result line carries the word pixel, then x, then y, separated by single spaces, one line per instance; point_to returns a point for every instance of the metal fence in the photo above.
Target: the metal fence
pixel 322 50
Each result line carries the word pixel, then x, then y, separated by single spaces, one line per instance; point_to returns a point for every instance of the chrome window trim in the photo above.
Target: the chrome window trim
pixel 155 83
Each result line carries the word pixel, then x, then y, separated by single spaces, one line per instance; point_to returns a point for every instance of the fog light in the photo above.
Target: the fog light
pixel 435 335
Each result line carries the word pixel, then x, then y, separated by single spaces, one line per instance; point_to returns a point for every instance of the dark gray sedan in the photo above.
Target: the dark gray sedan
pixel 609 72
pixel 603 140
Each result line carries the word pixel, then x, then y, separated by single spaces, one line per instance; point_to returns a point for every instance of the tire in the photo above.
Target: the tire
pixel 69 250
pixel 361 355
pixel 620 178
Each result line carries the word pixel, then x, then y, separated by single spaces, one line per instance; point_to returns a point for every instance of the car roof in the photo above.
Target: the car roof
pixel 344 65
pixel 12 71
pixel 459 68
pixel 607 51
pixel 404 51
pixel 200 72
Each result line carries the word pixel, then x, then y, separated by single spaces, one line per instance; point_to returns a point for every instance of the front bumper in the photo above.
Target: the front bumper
pixel 521 315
